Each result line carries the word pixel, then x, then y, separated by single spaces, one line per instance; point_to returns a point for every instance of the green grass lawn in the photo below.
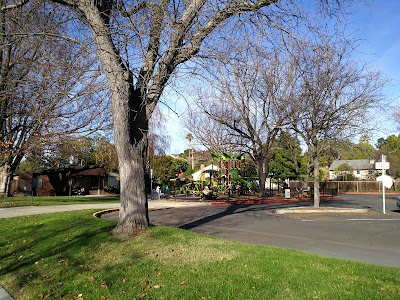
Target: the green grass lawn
pixel 74 256
pixel 55 200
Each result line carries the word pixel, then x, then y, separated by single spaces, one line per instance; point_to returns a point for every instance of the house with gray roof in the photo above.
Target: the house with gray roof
pixel 362 169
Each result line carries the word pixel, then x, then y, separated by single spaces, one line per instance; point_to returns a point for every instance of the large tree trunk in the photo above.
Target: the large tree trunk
pixel 305 182
pixel 262 168
pixel 7 171
pixel 133 214
pixel 316 182
pixel 131 123
pixel 131 114
pixel 3 181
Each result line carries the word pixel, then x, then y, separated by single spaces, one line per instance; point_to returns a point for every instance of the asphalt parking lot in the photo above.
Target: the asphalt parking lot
pixel 370 237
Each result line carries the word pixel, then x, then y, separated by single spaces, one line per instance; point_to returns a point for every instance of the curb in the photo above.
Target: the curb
pixel 98 214
pixel 306 210
pixel 264 201
pixel 4 295
pixel 228 202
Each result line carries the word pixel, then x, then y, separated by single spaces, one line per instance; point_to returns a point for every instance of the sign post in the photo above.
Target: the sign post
pixel 387 181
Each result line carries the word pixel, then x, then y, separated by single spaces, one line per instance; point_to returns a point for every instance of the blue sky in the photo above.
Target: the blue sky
pixel 376 24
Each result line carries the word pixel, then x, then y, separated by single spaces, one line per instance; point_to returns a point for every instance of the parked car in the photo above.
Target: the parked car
pixel 398 202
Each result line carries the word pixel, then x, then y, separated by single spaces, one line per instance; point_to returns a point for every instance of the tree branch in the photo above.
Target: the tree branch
pixel 135 9
pixel 14 5
pixel 219 18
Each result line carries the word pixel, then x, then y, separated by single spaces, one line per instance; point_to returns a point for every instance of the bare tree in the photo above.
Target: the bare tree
pixel 335 96
pixel 249 99
pixel 141 45
pixel 46 86
pixel 396 115
pixel 170 34
pixel 207 132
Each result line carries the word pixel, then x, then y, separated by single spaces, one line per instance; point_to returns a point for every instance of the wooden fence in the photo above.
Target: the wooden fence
pixel 350 186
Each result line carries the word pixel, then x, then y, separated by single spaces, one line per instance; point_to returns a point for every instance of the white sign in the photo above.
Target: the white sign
pixel 387 181
pixel 382 165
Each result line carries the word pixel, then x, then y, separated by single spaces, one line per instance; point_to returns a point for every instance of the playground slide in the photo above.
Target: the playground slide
pixel 235 177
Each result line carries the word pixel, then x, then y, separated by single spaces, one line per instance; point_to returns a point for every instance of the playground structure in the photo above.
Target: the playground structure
pixel 236 178
pixel 222 178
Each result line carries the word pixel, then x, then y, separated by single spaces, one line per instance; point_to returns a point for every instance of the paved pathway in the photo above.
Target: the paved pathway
pixel 11 212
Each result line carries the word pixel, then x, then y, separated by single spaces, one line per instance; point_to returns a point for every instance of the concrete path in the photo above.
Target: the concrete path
pixel 11 212
pixel 4 295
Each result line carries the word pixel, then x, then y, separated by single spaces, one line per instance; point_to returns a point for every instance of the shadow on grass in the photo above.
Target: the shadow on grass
pixel 44 241
pixel 50 245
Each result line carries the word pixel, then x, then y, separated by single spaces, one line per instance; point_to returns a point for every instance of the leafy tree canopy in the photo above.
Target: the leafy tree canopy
pixel 347 150
pixel 344 168
pixel 391 148
pixel 81 151
pixel 166 166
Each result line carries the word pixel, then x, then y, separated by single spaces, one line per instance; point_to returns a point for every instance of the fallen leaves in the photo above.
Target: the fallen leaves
pixel 108 284
pixel 146 285
pixel 47 277
pixel 63 262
